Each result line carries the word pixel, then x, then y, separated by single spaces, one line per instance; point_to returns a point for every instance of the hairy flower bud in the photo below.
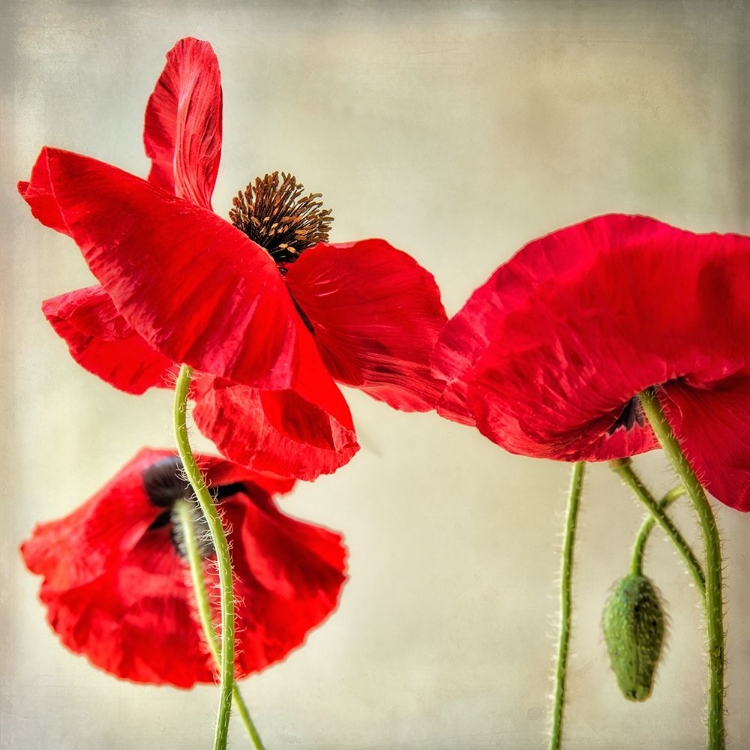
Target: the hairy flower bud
pixel 633 626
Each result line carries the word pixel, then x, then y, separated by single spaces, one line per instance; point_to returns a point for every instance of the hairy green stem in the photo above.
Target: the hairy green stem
pixel 219 540
pixel 184 513
pixel 639 547
pixel 566 583
pixel 624 468
pixel 714 604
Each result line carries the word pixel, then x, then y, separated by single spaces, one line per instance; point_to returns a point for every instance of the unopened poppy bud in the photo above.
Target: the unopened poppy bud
pixel 634 631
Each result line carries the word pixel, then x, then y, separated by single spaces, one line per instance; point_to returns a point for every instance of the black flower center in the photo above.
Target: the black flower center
pixel 274 214
pixel 630 416
pixel 165 484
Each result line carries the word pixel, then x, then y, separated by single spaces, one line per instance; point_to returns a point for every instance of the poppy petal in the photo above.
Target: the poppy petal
pixel 275 431
pixel 712 425
pixel 194 287
pixel 288 577
pixel 117 591
pixel 182 132
pixel 376 314
pixel 37 192
pixel 102 342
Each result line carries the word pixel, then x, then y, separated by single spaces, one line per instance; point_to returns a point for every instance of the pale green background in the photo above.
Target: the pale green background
pixel 458 131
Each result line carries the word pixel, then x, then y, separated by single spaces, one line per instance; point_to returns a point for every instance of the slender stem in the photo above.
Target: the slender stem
pixel 219 539
pixel 566 582
pixel 624 468
pixel 714 597
pixel 184 513
pixel 639 547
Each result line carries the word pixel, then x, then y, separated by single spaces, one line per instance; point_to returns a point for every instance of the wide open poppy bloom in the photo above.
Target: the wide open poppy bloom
pixel 265 309
pixel 117 587
pixel 547 358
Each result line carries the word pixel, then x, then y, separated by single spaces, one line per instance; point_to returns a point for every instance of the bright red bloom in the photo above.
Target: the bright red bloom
pixel 117 588
pixel 270 327
pixel 547 357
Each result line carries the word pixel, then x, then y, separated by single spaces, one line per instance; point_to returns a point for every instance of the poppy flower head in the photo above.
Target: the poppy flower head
pixel 549 356
pixel 116 583
pixel 274 214
pixel 286 315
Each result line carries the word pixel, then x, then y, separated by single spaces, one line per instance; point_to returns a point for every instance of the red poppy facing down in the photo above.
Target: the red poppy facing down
pixel 264 308
pixel 117 587
pixel 549 356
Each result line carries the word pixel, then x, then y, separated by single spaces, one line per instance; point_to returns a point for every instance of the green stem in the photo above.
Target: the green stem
pixel 566 582
pixel 639 548
pixel 624 468
pixel 219 539
pixel 184 513
pixel 714 598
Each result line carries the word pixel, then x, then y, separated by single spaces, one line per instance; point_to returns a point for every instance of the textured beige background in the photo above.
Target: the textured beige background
pixel 458 131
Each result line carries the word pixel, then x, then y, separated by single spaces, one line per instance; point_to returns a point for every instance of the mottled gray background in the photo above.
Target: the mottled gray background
pixel 458 131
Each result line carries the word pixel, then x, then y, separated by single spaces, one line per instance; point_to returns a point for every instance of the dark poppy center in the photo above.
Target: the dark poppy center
pixel 630 416
pixel 274 213
pixel 165 484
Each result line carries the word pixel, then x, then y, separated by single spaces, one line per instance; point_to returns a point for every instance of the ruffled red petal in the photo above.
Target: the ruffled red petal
pixel 712 425
pixel 102 342
pixel 182 132
pixel 288 577
pixel 276 431
pixel 194 287
pixel 580 321
pixel 376 314
pixel 117 591
pixel 37 192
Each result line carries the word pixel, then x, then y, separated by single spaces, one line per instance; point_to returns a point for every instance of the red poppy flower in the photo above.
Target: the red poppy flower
pixel 548 357
pixel 265 308
pixel 117 588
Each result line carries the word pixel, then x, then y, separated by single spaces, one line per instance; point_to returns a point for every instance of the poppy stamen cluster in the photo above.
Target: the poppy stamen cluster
pixel 165 485
pixel 631 415
pixel 273 213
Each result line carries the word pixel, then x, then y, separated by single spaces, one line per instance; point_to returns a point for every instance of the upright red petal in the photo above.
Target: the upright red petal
pixel 194 287
pixel 182 132
pixel 275 431
pixel 376 314
pixel 102 342
pixel 37 192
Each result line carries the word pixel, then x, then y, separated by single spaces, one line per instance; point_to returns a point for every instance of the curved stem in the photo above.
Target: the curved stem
pixel 714 599
pixel 624 468
pixel 219 539
pixel 566 582
pixel 183 510
pixel 639 547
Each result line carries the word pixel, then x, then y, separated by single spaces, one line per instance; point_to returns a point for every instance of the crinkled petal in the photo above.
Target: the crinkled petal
pixel 376 314
pixel 581 321
pixel 275 431
pixel 37 192
pixel 288 577
pixel 117 591
pixel 194 287
pixel 182 132
pixel 712 425
pixel 102 342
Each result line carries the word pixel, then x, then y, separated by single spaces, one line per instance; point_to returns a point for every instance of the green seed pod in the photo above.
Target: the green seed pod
pixel 634 631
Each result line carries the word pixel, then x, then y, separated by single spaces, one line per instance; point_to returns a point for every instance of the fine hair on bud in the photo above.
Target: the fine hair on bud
pixel 634 626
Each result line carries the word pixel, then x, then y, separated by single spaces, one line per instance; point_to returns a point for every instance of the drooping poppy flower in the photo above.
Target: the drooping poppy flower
pixel 548 357
pixel 264 307
pixel 117 588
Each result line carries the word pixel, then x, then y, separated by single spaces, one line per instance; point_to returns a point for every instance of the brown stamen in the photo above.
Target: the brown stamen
pixel 273 214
